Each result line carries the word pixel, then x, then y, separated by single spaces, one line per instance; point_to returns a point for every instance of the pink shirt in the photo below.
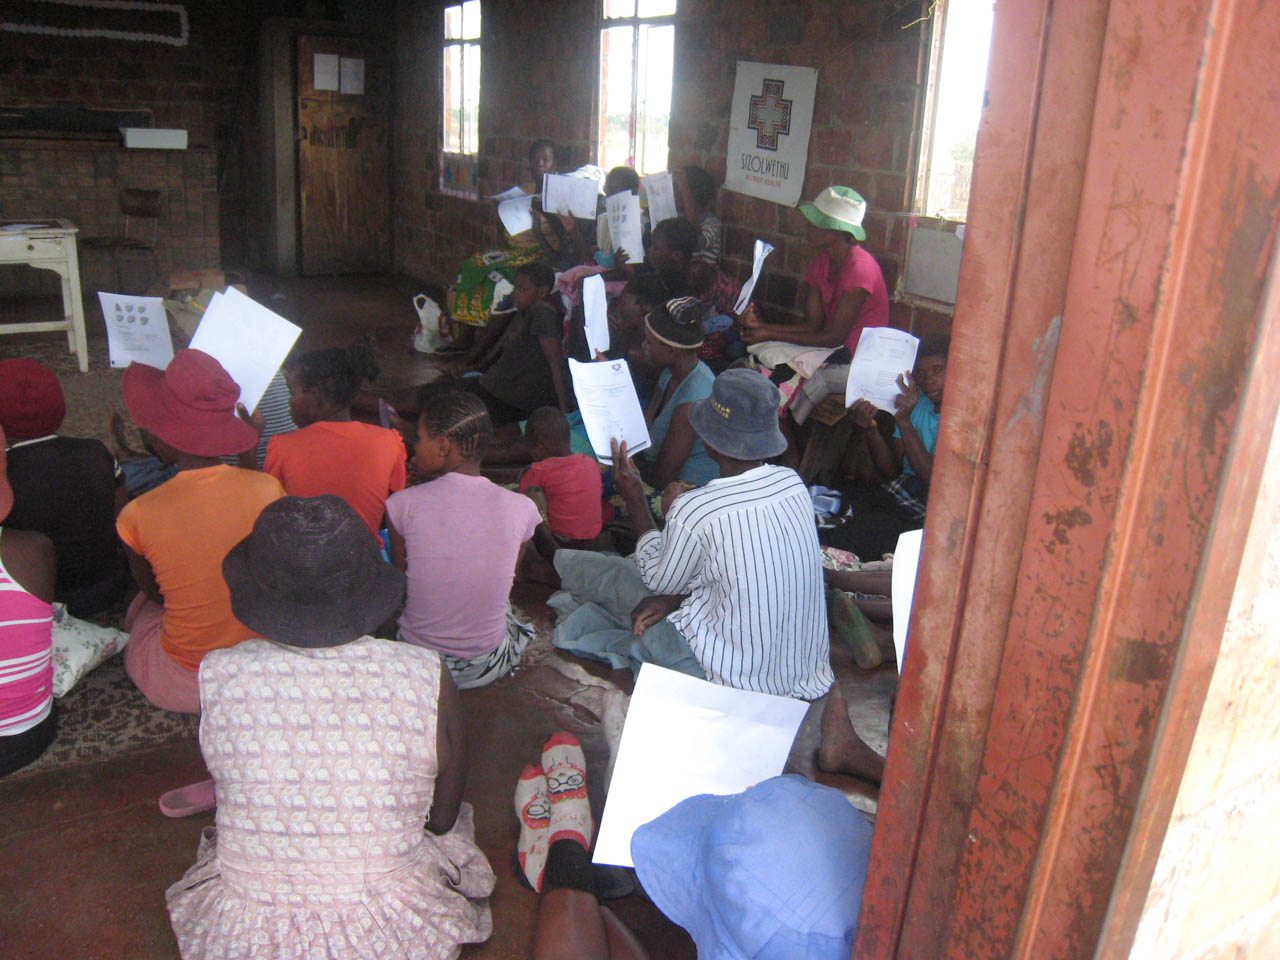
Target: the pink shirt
pixel 462 536
pixel 860 272
pixel 26 657
pixel 573 488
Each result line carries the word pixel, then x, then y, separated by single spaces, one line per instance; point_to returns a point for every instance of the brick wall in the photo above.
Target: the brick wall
pixel 542 87
pixel 81 181
pixel 867 53
pixel 200 87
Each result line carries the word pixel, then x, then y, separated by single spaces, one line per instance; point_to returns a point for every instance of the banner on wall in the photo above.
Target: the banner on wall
pixel 769 125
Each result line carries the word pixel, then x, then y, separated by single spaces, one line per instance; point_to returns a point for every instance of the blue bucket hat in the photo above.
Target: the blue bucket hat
pixel 773 873
pixel 740 418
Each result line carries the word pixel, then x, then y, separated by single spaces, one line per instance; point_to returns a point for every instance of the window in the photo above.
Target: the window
pixel 637 58
pixel 461 57
pixel 953 106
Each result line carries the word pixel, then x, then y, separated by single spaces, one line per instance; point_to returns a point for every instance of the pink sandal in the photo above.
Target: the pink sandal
pixel 189 800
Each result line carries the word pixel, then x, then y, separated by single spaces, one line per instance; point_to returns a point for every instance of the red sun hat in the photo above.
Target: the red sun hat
pixel 191 405
pixel 31 401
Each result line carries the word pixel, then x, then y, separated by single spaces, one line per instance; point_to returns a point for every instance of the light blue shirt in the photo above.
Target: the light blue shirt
pixel 925 419
pixel 698 468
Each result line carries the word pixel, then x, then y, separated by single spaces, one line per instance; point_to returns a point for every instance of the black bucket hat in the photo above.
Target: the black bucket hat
pixel 740 418
pixel 309 575
pixel 678 323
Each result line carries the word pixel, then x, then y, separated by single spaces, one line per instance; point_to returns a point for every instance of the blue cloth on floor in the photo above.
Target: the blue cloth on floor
pixel 593 633
pixel 145 474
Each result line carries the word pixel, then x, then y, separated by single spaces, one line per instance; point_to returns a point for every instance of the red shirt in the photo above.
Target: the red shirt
pixel 574 490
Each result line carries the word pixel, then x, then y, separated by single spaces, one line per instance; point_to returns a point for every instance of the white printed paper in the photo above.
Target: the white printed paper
pixel 684 737
pixel 609 406
pixel 249 341
pixel 511 193
pixel 595 308
pixel 516 215
pixel 324 71
pixel 906 562
pixel 762 250
pixel 883 355
pixel 625 229
pixel 575 196
pixel 661 196
pixel 351 75
pixel 137 329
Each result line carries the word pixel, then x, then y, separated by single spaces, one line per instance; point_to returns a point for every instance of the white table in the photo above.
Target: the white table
pixel 50 245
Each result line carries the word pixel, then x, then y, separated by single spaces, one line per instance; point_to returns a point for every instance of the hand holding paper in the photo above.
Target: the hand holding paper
pixel 762 250
pixel 249 341
pixel 595 309
pixel 572 196
pixel 883 355
pixel 623 211
pixel 609 406
pixel 660 193
pixel 137 329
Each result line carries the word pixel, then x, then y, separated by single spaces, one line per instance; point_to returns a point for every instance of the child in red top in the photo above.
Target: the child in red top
pixel 570 482
pixel 331 453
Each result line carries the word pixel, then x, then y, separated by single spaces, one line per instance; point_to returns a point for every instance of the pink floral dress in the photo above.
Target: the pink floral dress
pixel 325 765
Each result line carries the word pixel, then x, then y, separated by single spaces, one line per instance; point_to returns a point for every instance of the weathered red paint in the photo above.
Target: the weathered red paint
pixel 1071 520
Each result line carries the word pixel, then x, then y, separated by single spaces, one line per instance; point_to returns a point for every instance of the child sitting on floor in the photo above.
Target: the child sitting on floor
pixel 459 537
pixel 176 535
pixel 68 488
pixel 521 363
pixel 331 453
pixel 569 483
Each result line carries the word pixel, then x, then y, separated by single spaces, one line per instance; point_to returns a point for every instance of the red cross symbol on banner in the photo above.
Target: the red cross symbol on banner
pixel 769 115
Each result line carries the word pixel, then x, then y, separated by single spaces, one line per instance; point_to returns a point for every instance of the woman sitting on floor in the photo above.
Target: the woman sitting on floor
pixel 551 238
pixel 673 333
pixel 26 639
pixel 459 537
pixel 843 293
pixel 68 488
pixel 360 462
pixel 329 751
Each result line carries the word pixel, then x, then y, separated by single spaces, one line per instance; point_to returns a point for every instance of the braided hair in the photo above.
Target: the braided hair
pixel 338 373
pixel 459 415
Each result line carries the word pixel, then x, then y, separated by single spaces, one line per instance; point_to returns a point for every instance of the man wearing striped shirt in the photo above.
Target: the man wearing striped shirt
pixel 737 568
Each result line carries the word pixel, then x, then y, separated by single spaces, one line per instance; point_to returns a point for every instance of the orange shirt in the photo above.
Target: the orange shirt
pixel 184 528
pixel 358 462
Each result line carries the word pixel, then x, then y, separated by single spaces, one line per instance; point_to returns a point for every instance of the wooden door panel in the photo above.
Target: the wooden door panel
pixel 343 180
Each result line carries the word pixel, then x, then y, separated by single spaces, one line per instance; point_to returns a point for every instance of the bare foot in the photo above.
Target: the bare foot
pixel 841 749
pixel 118 441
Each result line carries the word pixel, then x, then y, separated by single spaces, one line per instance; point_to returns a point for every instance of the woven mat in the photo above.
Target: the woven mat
pixel 106 715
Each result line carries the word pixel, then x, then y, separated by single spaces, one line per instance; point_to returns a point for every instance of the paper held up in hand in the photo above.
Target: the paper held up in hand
pixel 684 737
pixel 137 329
pixel 575 196
pixel 762 250
pixel 906 563
pixel 595 310
pixel 623 211
pixel 609 406
pixel 249 341
pixel 661 196
pixel 883 355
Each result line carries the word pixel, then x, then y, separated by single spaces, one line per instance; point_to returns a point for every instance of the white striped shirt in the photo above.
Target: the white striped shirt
pixel 745 549
pixel 26 657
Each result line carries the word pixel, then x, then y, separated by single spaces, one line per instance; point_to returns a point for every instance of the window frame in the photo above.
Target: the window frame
pixel 635 21
pixel 935 41
pixel 463 43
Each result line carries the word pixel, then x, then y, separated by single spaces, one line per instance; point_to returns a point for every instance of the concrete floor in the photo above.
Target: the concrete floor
pixel 87 854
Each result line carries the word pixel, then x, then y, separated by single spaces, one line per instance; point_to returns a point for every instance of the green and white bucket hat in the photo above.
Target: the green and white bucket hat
pixel 837 208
